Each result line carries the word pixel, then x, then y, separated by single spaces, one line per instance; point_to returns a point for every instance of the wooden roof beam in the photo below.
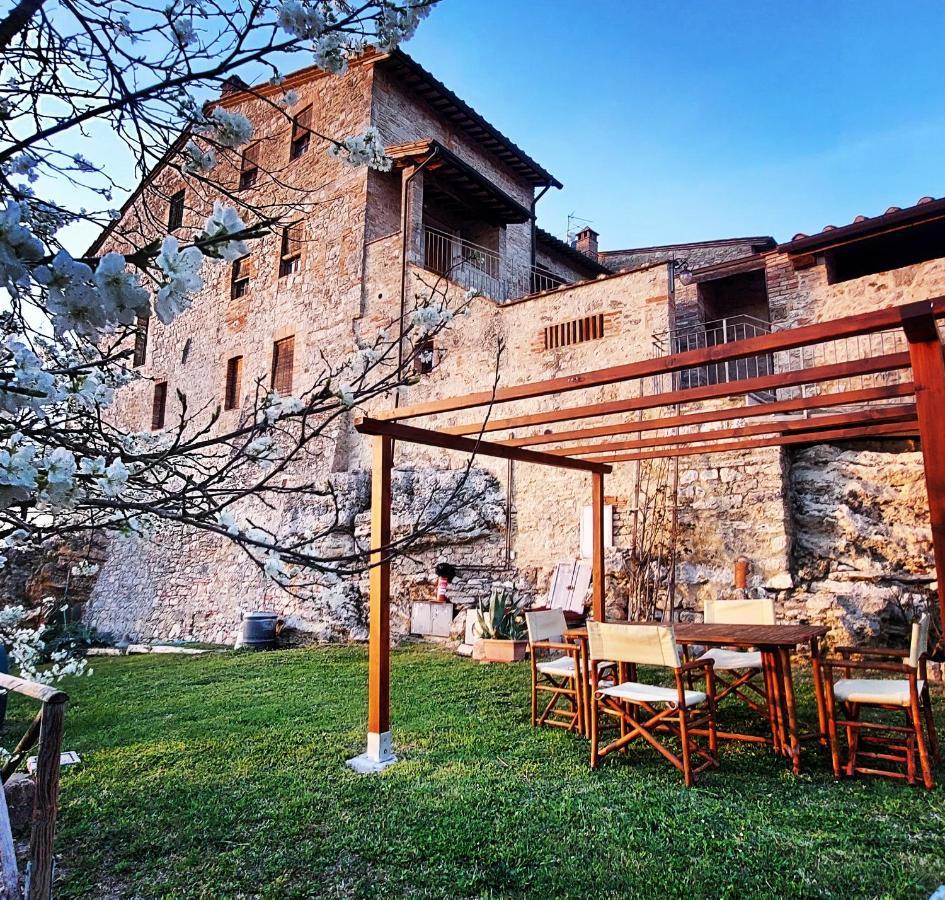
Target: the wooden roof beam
pixel 831 372
pixel 898 429
pixel 789 339
pixel 799 404
pixel 429 438
pixel 905 412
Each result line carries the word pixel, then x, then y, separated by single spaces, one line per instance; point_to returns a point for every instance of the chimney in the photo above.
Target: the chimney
pixel 233 84
pixel 587 242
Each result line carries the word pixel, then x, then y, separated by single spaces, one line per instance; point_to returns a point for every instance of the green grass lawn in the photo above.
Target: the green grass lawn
pixel 224 776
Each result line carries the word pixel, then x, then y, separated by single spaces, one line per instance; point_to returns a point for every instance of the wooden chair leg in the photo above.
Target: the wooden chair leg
pixel 927 779
pixel 853 736
pixel 534 691
pixel 595 758
pixel 684 738
pixel 930 724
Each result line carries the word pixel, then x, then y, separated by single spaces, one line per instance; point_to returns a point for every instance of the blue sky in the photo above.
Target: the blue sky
pixel 689 121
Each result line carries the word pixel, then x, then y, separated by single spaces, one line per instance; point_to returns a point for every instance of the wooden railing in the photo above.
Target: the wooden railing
pixel 46 728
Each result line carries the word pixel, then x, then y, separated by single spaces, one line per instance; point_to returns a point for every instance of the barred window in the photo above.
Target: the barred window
pixel 159 406
pixel 141 342
pixel 234 377
pixel 243 271
pixel 587 328
pixel 283 359
pixel 175 211
pixel 290 252
pixel 249 166
pixel 301 133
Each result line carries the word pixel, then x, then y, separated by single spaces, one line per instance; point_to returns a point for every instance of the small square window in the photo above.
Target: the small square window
pixel 175 211
pixel 425 359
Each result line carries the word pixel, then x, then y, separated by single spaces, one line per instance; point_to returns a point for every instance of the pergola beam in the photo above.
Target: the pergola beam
pixel 928 372
pixel 903 412
pixel 776 341
pixel 903 429
pixel 800 404
pixel 830 372
pixel 430 438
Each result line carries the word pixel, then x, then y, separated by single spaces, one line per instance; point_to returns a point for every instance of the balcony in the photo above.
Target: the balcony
pixel 479 268
pixel 711 334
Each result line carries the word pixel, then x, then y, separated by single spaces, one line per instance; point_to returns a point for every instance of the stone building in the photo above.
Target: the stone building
pixel 837 533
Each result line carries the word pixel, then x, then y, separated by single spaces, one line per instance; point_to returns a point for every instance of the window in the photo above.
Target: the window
pixel 175 211
pixel 243 271
pixel 234 376
pixel 159 406
pixel 290 256
pixel 283 357
pixel 894 250
pixel 588 328
pixel 249 167
pixel 301 133
pixel 141 342
pixel 425 358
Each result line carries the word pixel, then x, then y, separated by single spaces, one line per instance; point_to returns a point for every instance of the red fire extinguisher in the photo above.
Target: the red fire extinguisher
pixel 445 574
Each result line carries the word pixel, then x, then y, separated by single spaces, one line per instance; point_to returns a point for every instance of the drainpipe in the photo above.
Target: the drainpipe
pixel 404 195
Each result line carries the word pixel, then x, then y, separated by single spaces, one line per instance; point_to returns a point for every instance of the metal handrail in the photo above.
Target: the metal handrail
pixel 478 268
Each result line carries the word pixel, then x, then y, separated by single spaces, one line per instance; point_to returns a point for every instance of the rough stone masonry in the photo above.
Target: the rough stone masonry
pixel 839 534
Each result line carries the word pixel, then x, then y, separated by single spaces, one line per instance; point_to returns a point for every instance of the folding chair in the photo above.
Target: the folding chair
pixel 561 677
pixel 747 680
pixel 685 712
pixel 882 742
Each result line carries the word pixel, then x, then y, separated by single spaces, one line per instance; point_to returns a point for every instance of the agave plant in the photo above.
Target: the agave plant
pixel 503 618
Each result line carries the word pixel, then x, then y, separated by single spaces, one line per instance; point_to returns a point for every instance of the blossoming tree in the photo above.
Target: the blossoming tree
pixel 143 71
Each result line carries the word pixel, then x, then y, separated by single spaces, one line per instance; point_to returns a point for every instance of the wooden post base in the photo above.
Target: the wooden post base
pixel 377 757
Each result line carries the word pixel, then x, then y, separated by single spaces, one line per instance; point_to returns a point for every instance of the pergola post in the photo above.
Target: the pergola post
pixel 379 754
pixel 597 543
pixel 928 375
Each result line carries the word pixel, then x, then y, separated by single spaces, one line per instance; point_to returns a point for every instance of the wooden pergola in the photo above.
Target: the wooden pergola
pixel 896 403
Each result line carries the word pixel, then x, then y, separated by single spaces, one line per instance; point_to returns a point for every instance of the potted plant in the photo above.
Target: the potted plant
pixel 502 627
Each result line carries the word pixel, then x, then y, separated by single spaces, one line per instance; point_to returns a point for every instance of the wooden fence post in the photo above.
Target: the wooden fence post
pixel 46 801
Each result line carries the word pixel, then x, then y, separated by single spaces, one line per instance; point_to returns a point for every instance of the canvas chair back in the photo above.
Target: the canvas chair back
pixel 545 625
pixel 739 612
pixel 920 641
pixel 648 645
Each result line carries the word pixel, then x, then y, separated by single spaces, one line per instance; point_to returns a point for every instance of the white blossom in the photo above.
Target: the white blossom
pixel 302 20
pixel 366 149
pixel 184 30
pixel 72 299
pixel 17 245
pixel 198 161
pixel 427 319
pixel 182 271
pixel 224 221
pixel 60 472
pixel 85 569
pixel 226 521
pixel 346 394
pixel 275 407
pixel 275 568
pixel 122 297
pixel 229 129
pixel 397 24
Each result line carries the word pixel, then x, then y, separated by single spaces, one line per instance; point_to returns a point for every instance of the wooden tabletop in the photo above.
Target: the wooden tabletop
pixel 734 635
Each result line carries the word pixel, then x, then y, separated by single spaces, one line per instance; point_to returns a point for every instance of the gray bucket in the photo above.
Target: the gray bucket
pixel 259 630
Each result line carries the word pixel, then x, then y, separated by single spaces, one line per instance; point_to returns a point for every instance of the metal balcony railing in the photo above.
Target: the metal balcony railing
pixel 478 268
pixel 710 334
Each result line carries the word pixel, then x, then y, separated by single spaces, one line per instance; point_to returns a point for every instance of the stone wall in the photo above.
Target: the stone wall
pixel 862 555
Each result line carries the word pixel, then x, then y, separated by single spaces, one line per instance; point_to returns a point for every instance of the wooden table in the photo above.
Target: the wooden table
pixel 775 643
